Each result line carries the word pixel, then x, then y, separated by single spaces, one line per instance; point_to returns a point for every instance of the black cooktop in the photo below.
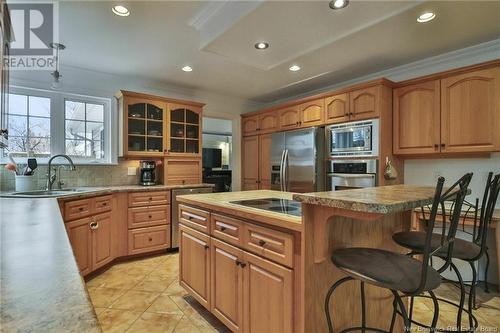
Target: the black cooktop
pixel 283 206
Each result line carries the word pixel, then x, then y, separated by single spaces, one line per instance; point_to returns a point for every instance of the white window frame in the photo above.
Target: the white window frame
pixel 57 124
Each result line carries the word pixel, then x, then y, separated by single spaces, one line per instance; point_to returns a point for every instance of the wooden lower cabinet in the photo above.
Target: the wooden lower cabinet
pixel 80 237
pixel 91 241
pixel 102 250
pixel 268 296
pixel 227 284
pixel 246 292
pixel 194 270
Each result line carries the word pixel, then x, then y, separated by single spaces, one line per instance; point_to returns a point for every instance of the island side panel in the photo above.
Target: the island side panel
pixel 318 277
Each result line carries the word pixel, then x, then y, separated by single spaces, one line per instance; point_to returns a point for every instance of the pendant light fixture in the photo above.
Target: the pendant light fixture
pixel 56 75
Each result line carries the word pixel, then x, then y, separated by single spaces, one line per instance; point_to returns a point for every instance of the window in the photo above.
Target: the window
pixel 46 123
pixel 84 124
pixel 29 124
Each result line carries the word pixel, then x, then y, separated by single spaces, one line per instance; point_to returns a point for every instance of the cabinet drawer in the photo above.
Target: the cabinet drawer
pixel 148 239
pixel 77 209
pixel 150 198
pixel 195 218
pixel 102 204
pixel 184 181
pixel 227 229
pixel 139 217
pixel 269 243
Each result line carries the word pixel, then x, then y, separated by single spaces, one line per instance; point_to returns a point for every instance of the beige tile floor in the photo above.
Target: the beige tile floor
pixel 145 296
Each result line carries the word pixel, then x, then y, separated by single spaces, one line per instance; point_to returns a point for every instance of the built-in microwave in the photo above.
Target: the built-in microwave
pixel 353 139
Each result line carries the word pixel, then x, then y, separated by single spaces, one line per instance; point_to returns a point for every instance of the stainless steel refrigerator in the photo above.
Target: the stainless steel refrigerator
pixel 297 160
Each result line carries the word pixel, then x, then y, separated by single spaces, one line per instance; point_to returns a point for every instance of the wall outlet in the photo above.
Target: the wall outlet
pixel 131 171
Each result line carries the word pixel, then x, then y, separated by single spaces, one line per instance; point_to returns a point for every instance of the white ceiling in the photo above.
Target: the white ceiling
pixel 217 38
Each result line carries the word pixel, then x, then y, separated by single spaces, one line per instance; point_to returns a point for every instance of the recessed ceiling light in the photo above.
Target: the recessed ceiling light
pixel 426 17
pixel 120 10
pixel 261 45
pixel 338 4
pixel 294 68
pixel 187 69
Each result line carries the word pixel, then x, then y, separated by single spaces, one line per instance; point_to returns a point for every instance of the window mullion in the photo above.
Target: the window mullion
pixel 57 125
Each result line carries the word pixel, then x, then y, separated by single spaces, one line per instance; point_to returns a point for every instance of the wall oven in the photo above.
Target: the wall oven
pixel 353 139
pixel 351 174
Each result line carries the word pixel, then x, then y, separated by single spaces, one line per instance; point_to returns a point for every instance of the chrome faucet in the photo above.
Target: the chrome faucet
pixel 52 178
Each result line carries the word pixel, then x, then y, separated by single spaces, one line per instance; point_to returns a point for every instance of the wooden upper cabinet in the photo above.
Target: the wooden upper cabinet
pixel 470 106
pixel 289 117
pixel 268 122
pixel 363 103
pixel 194 262
pixel 337 109
pixel 265 161
pixel 250 167
pixel 185 124
pixel 311 113
pixel 250 125
pixel 416 124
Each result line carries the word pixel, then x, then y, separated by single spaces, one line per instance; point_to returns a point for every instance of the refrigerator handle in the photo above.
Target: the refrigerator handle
pixel 285 171
pixel 282 172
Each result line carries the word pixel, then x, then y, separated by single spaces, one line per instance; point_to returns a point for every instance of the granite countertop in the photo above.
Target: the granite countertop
pixel 93 191
pixel 41 288
pixel 381 200
pixel 220 202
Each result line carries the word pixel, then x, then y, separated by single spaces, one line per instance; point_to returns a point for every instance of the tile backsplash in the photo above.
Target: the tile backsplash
pixel 84 175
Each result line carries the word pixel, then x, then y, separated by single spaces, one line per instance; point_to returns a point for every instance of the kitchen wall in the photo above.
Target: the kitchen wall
pixel 92 83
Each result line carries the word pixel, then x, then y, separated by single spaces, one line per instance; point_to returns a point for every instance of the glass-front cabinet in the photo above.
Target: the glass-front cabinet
pixel 185 130
pixel 153 126
pixel 144 127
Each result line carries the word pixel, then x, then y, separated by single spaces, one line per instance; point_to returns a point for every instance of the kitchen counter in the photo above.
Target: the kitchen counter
pixel 220 202
pixel 41 288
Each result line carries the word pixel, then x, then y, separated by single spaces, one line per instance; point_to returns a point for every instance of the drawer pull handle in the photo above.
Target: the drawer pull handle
pixel 262 243
pixel 150 199
pixel 240 263
pixel 94 225
pixel 207 247
pixel 190 218
pixel 222 228
pixel 150 216
pixel 150 239
pixel 80 209
pixel 104 204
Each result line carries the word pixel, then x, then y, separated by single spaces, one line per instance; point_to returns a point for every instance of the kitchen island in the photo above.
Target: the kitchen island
pixel 267 271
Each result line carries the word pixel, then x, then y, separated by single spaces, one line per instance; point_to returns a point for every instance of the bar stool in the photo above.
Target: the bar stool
pixel 469 251
pixel 397 272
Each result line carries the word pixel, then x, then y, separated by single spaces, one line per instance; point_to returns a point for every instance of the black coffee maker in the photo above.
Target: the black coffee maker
pixel 148 173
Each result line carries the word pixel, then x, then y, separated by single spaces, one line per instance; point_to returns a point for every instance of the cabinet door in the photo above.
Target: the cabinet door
pixel 363 103
pixel 269 122
pixel 185 123
pixel 268 295
pixel 265 141
pixel 337 108
pixel 227 284
pixel 416 118
pixel 250 125
pixel 470 104
pixel 101 226
pixel 182 171
pixel 289 118
pixel 311 113
pixel 194 270
pixel 250 154
pixel 80 237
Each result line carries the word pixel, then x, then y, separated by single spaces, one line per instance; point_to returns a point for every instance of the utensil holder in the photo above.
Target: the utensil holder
pixel 25 183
